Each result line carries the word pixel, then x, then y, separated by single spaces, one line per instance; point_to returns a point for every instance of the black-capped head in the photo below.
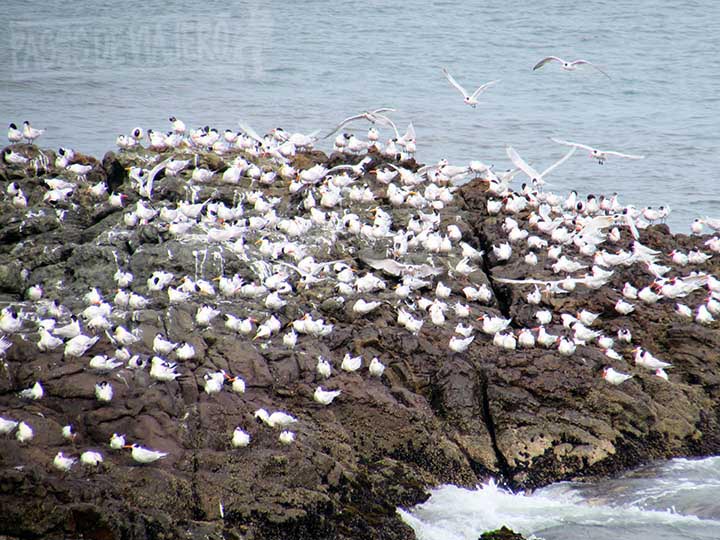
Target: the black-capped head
pixel 13 126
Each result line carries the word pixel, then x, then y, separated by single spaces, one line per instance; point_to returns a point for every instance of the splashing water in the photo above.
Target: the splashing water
pixel 679 499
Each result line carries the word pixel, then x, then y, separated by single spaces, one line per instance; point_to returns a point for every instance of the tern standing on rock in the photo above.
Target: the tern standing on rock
pixel 14 134
pixel 30 133
pixel 615 377
pixel 143 455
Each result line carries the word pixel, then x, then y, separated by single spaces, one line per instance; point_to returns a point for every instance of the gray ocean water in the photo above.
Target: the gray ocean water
pixel 87 71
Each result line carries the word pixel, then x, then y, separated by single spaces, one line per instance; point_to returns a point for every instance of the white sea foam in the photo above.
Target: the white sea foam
pixel 651 503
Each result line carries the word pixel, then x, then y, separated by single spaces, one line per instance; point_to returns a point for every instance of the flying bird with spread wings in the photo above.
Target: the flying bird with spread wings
pixel 596 153
pixel 469 99
pixel 567 66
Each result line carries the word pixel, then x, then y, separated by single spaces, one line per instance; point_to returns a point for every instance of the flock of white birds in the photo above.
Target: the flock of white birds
pixel 283 250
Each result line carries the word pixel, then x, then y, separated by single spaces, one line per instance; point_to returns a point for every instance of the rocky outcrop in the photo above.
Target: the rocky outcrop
pixel 503 533
pixel 527 416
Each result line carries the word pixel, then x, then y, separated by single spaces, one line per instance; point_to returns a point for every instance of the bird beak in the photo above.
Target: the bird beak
pixel 127 446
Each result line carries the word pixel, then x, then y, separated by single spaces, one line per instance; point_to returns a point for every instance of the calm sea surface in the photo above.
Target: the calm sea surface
pixel 87 71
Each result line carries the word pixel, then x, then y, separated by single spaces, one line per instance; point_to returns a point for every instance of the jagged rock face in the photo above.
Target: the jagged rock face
pixel 503 533
pixel 526 416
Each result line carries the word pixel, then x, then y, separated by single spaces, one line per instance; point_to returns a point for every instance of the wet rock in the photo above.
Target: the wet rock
pixel 503 533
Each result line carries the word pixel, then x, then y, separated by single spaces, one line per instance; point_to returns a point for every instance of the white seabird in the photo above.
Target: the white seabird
pixel 469 99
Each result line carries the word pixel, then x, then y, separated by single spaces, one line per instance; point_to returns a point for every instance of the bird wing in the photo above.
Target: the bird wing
pixel 520 163
pixel 526 281
pixel 319 267
pixel 368 115
pixel 559 162
pixel 382 110
pixel 568 143
pixel 581 62
pixel 425 169
pixel 620 154
pixel 387 265
pixel 452 81
pixel 630 222
pixel 344 123
pixel 252 133
pixel 385 121
pixel 339 168
pixel 597 223
pixel 152 174
pixel 410 133
pixel 424 270
pixel 395 268
pixel 482 88
pixel 547 59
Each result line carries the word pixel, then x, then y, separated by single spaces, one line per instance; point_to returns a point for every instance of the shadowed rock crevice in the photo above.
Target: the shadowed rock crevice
pixel 482 393
pixel 502 294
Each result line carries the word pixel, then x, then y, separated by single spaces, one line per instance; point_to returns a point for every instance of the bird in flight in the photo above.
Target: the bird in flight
pixel 534 175
pixel 374 117
pixel 469 99
pixel 567 66
pixel 596 153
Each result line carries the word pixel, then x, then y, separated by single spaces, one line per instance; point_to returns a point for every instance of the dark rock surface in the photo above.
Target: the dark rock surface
pixel 503 533
pixel 527 417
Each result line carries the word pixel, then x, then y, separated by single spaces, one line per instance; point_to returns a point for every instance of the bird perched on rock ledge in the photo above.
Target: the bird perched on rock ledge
pixel 615 377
